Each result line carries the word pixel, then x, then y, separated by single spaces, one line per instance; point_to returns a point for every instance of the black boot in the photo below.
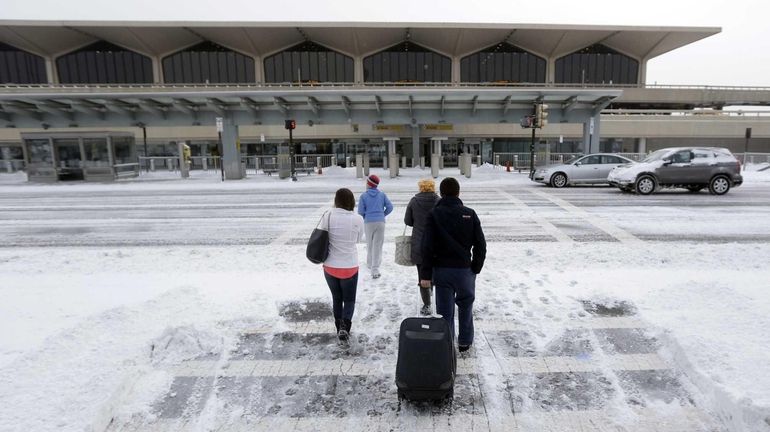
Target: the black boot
pixel 344 332
pixel 337 325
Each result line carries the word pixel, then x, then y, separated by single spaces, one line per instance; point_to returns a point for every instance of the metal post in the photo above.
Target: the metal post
pixel 144 137
pixel 532 155
pixel 746 147
pixel 221 152
pixel 291 155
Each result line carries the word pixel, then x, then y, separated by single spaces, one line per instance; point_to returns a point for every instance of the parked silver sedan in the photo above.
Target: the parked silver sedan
pixel 588 169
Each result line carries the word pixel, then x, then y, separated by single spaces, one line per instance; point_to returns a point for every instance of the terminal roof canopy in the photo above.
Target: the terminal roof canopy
pixel 352 38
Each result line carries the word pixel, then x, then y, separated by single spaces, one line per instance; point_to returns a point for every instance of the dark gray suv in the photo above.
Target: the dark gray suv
pixel 693 168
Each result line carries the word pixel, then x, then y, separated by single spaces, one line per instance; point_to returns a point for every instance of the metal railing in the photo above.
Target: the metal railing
pixel 689 114
pixel 285 85
pixel 753 158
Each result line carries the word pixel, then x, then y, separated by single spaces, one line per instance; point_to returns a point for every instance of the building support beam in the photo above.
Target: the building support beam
pixel 282 105
pixel 378 104
pixel 506 105
pixel 314 105
pixel 346 106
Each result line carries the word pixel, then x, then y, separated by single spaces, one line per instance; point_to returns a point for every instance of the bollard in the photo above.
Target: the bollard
pixel 366 164
pixel 9 166
pixel 403 162
pixel 461 164
pixel 347 161
pixel 497 161
pixel 359 166
pixel 434 165
pixel 468 166
pixel 393 166
pixel 422 162
pixel 318 164
pixel 507 166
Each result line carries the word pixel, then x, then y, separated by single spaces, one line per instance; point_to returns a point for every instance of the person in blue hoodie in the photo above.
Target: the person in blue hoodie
pixel 374 205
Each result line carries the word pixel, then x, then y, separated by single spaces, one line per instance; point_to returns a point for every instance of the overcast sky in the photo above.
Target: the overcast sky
pixel 740 55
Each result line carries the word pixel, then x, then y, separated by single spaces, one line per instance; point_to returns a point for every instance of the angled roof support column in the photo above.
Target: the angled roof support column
pixel 346 106
pixel 475 102
pixel 153 108
pixel 569 105
pixel 378 104
pixel 506 104
pixel 281 104
pixel 250 106
pixel 314 105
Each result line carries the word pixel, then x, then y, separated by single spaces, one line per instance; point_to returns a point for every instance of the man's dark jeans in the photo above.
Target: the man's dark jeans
pixel 343 295
pixel 456 286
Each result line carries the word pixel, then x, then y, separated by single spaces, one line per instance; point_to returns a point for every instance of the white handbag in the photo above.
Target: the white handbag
pixel 404 249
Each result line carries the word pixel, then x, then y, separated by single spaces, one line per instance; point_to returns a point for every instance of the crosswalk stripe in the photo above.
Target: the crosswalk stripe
pixel 679 418
pixel 611 229
pixel 315 327
pixel 548 227
pixel 465 366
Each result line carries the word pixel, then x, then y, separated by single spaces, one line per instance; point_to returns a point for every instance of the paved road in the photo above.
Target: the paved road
pixel 518 212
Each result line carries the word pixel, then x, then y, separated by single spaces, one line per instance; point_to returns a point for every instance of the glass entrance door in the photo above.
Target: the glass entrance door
pixel 69 158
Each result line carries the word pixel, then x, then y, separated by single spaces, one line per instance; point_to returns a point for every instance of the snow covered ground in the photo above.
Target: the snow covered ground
pixel 189 305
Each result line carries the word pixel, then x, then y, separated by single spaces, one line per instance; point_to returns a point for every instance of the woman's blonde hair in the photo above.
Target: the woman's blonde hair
pixel 427 185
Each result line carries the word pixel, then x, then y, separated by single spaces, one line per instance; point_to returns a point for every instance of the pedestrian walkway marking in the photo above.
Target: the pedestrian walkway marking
pixel 315 327
pixel 304 228
pixel 640 419
pixel 613 230
pixel 465 366
pixel 547 226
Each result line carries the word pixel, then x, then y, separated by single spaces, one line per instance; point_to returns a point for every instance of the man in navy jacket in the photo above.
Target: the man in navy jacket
pixel 453 250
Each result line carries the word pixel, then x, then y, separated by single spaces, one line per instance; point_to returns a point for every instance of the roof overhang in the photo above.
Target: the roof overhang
pixel 180 106
pixel 160 38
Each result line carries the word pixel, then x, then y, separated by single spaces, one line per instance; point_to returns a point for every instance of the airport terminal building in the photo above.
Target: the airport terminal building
pixel 97 95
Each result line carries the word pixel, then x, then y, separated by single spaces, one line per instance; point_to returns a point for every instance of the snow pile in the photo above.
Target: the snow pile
pixel 178 344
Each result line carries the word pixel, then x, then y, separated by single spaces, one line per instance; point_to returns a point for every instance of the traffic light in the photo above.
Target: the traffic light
pixel 290 124
pixel 541 115
pixel 527 122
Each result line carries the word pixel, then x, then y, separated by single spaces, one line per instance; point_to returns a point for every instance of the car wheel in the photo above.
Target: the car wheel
pixel 694 189
pixel 559 180
pixel 719 185
pixel 645 185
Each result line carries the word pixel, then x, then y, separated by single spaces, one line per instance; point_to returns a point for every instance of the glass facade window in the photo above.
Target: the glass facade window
pixel 39 151
pixel 123 147
pixel 68 152
pixel 407 62
pixel 208 62
pixel 20 67
pixel 503 63
pixel 308 62
pixel 104 63
pixel 597 64
pixel 97 154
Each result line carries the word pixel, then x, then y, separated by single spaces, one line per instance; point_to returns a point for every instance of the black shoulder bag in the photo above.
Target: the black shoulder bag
pixel 318 245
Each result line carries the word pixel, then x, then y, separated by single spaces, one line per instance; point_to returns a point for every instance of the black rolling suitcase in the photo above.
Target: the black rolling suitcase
pixel 427 363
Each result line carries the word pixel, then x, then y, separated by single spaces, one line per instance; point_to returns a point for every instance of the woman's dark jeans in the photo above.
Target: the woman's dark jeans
pixel 343 295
